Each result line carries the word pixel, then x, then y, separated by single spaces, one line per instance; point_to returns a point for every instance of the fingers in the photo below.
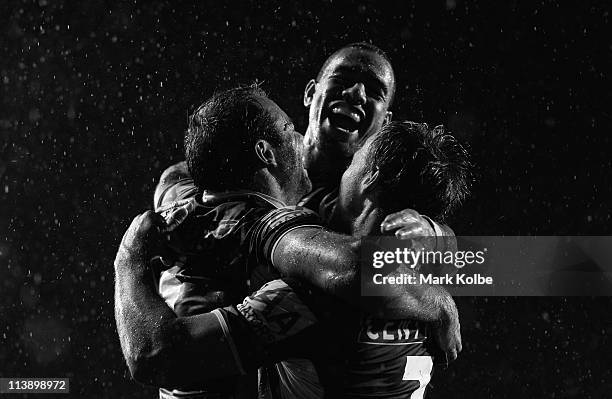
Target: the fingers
pixel 151 218
pixel 406 224
pixel 145 230
pixel 449 340
pixel 459 342
pixel 452 351
pixel 176 217
pixel 456 347
pixel 448 347
pixel 412 230
pixel 451 356
pixel 399 219
pixel 149 224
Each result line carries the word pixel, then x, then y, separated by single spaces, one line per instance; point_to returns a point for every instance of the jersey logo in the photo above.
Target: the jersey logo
pixel 391 332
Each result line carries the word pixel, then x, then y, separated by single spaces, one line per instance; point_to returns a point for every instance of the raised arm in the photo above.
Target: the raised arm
pixel 160 348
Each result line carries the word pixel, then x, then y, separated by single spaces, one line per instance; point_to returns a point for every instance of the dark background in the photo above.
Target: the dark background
pixel 95 97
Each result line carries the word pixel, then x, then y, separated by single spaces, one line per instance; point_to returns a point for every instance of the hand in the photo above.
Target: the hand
pixel 448 335
pixel 145 238
pixel 408 224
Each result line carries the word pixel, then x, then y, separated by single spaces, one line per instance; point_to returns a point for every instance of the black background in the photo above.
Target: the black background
pixel 95 97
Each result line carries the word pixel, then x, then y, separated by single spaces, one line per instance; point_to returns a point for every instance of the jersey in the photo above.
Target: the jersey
pixel 219 243
pixel 389 359
pixel 308 358
pixel 321 200
pixel 325 351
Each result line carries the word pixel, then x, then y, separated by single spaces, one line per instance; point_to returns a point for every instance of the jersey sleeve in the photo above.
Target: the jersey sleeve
pixel 175 184
pixel 248 351
pixel 266 329
pixel 266 325
pixel 274 225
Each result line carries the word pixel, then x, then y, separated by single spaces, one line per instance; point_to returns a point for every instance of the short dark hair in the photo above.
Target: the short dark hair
pixel 361 46
pixel 421 168
pixel 221 136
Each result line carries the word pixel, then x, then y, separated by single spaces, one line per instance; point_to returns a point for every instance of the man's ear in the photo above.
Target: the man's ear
pixel 265 153
pixel 388 117
pixel 309 91
pixel 370 181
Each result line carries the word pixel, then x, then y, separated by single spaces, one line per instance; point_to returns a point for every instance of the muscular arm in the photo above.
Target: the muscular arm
pixel 330 261
pixel 160 348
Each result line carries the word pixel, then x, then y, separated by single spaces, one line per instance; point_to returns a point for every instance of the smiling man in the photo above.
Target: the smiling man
pixel 348 101
pixel 227 222
pixel 365 354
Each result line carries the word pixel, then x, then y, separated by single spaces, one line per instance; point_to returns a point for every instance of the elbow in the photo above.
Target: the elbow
pixel 156 370
pixel 166 363
pixel 145 368
pixel 340 284
pixel 163 371
pixel 138 373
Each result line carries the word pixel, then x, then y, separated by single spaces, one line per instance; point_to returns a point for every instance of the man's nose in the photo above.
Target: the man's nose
pixel 355 94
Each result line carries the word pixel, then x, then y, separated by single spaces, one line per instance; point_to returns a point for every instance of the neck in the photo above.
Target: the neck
pixel 368 221
pixel 266 183
pixel 325 166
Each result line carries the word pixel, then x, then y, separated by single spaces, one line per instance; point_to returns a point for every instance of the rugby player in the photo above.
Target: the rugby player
pixel 151 335
pixel 347 102
pixel 252 157
pixel 389 358
pixel 405 163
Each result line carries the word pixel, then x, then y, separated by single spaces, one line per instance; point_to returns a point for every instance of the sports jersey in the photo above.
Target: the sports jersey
pixel 219 243
pixel 328 350
pixel 321 200
pixel 389 359
pixel 233 235
pixel 370 357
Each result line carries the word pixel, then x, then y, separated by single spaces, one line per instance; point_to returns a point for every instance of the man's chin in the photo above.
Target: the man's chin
pixel 343 135
pixel 339 141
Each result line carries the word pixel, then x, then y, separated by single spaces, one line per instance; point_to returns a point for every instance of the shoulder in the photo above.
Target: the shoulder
pixel 321 200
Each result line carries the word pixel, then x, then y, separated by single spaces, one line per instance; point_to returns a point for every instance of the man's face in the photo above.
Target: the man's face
pixel 350 101
pixel 293 178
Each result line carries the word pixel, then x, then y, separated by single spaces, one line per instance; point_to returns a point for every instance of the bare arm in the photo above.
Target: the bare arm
pixel 330 261
pixel 160 348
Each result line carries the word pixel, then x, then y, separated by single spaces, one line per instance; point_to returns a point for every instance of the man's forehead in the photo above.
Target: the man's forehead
pixel 360 61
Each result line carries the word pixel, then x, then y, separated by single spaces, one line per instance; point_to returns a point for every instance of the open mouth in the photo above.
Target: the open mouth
pixel 344 118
